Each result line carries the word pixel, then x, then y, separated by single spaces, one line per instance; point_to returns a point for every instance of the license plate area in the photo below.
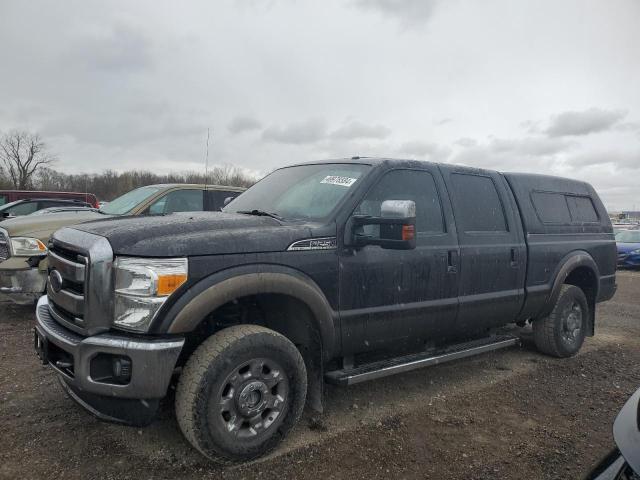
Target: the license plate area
pixel 41 346
pixel 50 353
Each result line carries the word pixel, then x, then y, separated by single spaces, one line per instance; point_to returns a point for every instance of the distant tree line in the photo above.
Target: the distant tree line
pixel 111 184
pixel 25 164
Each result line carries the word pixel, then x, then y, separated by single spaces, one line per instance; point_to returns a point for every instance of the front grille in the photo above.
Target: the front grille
pixel 4 247
pixel 80 281
pixel 67 299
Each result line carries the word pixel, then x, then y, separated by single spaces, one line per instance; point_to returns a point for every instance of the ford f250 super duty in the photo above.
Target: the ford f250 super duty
pixel 338 271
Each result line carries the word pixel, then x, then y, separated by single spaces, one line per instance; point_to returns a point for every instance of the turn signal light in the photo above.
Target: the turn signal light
pixel 408 232
pixel 167 284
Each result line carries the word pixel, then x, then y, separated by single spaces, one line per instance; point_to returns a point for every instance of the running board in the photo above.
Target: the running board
pixel 385 368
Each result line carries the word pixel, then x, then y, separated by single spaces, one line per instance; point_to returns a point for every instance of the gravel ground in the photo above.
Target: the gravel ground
pixel 509 414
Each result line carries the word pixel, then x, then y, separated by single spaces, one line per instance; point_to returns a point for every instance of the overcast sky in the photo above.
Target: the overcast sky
pixel 541 86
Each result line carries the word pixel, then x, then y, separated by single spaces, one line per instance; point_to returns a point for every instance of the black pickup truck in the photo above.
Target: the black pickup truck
pixel 338 271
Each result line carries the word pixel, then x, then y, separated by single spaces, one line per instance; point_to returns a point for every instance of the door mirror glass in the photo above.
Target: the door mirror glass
pixel 227 201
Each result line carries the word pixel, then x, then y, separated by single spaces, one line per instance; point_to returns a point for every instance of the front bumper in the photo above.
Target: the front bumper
pixel 75 357
pixel 22 286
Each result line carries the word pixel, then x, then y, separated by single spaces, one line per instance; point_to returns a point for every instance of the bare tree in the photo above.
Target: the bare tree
pixel 22 154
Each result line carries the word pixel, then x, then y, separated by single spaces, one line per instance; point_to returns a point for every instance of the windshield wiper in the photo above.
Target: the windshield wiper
pixel 260 213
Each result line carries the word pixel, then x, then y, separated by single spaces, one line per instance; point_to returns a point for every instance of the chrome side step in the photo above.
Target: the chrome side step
pixel 385 368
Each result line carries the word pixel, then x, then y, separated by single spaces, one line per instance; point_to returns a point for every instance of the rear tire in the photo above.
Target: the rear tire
pixel 240 393
pixel 562 333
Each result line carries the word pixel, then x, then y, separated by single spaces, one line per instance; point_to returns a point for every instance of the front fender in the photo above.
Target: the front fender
pixel 215 290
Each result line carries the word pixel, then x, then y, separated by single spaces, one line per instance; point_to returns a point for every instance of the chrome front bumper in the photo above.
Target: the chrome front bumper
pixel 22 286
pixel 152 360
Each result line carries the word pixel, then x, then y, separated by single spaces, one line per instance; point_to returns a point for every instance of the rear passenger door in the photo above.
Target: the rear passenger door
pixel 492 248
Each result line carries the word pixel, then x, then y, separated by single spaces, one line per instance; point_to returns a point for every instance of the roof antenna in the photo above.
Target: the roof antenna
pixel 206 163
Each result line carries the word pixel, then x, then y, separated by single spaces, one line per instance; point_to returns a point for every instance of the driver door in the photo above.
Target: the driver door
pixel 399 297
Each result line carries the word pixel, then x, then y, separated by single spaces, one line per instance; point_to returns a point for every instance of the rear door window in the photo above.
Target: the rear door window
pixel 3 199
pixel 480 208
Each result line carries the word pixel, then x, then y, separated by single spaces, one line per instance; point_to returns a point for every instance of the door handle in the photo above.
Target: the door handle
pixel 514 258
pixel 452 261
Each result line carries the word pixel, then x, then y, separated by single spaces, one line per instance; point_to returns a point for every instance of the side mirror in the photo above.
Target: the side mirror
pixel 227 201
pixel 397 223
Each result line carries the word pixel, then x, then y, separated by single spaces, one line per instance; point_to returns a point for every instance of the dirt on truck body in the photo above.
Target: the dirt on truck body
pixel 327 273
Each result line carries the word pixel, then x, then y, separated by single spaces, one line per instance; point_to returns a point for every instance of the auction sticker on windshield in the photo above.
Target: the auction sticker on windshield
pixel 337 180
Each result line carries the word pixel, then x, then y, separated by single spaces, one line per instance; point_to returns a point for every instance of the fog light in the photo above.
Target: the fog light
pixel 112 369
pixel 121 368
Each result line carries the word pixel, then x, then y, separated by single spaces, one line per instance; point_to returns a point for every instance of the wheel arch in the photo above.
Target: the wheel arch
pixel 580 269
pixel 278 288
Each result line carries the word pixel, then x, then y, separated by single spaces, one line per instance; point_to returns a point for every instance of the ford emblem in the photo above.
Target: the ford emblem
pixel 55 280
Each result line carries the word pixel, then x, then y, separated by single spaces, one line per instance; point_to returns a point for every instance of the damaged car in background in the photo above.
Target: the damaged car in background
pixel 332 272
pixel 24 240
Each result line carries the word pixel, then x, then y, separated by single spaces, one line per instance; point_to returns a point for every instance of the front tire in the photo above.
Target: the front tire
pixel 562 333
pixel 240 393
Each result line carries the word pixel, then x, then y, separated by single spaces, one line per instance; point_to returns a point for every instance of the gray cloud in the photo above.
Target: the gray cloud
pixel 119 47
pixel 530 146
pixel 425 150
pixel 243 124
pixel 408 12
pixel 528 153
pixel 619 159
pixel 138 123
pixel 309 131
pixel 584 122
pixel 466 142
pixel 357 130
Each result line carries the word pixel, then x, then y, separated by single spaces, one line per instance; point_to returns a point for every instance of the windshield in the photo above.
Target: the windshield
pixel 628 236
pixel 7 206
pixel 127 202
pixel 303 192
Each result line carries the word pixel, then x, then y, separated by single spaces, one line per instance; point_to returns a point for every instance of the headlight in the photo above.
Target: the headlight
pixel 27 247
pixel 142 286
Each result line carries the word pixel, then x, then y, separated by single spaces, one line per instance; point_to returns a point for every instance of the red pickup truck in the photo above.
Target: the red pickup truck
pixel 7 196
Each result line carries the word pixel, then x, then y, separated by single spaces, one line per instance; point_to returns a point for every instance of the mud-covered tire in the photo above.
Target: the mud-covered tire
pixel 562 333
pixel 242 369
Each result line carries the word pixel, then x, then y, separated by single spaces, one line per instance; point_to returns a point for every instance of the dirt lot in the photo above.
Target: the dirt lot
pixel 509 414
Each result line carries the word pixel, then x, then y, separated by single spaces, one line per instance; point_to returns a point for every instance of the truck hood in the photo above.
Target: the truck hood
pixel 42 226
pixel 194 234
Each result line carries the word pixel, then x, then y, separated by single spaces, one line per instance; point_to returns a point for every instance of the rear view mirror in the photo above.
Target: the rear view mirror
pixel 397 223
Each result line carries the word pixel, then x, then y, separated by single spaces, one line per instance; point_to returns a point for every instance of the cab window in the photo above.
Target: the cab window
pixel 416 185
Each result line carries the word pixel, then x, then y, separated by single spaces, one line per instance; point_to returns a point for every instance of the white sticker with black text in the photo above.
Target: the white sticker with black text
pixel 338 180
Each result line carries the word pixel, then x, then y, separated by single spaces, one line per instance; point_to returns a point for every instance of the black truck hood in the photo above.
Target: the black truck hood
pixel 193 234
